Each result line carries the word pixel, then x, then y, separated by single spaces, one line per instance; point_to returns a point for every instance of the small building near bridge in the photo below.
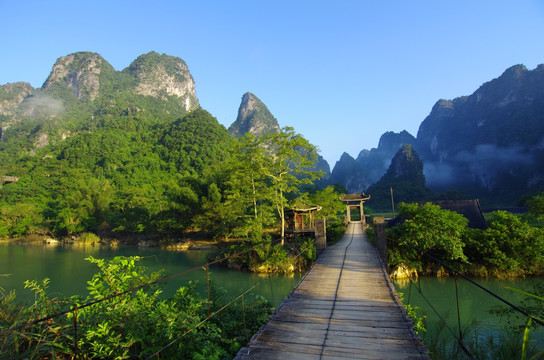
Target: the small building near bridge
pixel 301 218
pixel 300 221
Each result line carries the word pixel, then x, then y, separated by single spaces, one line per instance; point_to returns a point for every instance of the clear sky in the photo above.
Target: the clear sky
pixel 340 72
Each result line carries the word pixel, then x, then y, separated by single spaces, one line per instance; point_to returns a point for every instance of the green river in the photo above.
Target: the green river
pixel 477 308
pixel 69 273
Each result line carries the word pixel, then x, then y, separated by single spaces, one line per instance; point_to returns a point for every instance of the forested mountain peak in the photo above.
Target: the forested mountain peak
pixel 406 163
pixel 404 176
pixel 82 72
pixel 253 117
pixel 162 76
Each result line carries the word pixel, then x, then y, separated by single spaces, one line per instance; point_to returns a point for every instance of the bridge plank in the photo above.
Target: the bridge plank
pixel 343 309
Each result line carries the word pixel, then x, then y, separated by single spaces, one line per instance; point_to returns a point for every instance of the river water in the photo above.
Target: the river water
pixel 69 272
pixel 477 308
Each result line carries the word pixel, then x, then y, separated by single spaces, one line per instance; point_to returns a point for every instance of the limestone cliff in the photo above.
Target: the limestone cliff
pixel 163 76
pixel 83 73
pixel 254 118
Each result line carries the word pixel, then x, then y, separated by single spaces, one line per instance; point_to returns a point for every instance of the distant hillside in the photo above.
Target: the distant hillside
pixel 489 145
pixel 358 174
pixel 128 152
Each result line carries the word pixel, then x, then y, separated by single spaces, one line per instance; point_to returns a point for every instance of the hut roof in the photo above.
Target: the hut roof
pixel 301 206
pixel 468 208
pixel 354 197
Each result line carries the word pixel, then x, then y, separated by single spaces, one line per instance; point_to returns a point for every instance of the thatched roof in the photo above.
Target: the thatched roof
pixel 301 206
pixel 468 208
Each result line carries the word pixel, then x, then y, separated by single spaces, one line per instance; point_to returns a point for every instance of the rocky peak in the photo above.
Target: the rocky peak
pixel 163 76
pixel 81 72
pixel 12 94
pixel 392 141
pixel 253 117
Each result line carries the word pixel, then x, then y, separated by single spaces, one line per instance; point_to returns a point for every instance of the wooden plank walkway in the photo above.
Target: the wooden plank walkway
pixel 344 308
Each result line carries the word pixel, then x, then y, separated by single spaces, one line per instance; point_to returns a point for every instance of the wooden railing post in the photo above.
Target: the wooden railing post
pixel 381 241
pixel 320 234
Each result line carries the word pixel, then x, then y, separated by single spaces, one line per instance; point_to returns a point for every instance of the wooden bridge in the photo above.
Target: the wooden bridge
pixel 344 308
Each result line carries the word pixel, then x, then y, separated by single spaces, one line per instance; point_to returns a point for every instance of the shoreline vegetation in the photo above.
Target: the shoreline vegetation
pixel 511 246
pixel 296 255
pixel 129 318
pixel 510 242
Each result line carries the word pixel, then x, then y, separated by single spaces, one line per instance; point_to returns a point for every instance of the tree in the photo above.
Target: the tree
pixel 83 207
pixel 242 195
pixel 289 163
pixel 328 200
pixel 536 204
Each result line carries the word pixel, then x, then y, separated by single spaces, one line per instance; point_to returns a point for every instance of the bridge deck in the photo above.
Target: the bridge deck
pixel 343 308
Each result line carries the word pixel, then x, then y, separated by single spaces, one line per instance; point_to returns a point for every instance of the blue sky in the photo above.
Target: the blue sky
pixel 340 72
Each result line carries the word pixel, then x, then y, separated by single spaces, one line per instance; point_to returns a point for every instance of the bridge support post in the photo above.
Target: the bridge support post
pixel 381 241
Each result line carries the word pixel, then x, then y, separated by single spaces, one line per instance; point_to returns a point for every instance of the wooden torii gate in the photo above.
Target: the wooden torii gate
pixel 354 201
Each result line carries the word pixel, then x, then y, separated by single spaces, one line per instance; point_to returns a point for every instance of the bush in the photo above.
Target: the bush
pixel 430 229
pixel 89 238
pixel 508 245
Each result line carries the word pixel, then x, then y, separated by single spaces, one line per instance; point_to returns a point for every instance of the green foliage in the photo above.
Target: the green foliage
pixel 413 312
pixel 508 245
pixel 20 219
pixel 536 204
pixel 126 172
pixel 327 198
pixel 431 229
pixel 335 230
pixel 138 324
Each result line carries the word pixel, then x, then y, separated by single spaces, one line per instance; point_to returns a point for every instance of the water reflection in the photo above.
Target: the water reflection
pixel 69 272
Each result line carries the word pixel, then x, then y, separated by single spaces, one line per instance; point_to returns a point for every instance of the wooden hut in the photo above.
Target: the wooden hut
pixel 300 221
pixel 300 218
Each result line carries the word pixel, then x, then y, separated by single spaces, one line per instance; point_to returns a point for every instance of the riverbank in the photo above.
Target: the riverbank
pixel 265 256
pixel 188 241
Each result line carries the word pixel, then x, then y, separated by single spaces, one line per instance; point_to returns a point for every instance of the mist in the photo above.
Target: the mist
pixel 42 105
pixel 484 165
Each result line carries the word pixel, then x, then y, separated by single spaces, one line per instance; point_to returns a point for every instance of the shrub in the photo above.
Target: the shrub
pixel 508 245
pixel 429 228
